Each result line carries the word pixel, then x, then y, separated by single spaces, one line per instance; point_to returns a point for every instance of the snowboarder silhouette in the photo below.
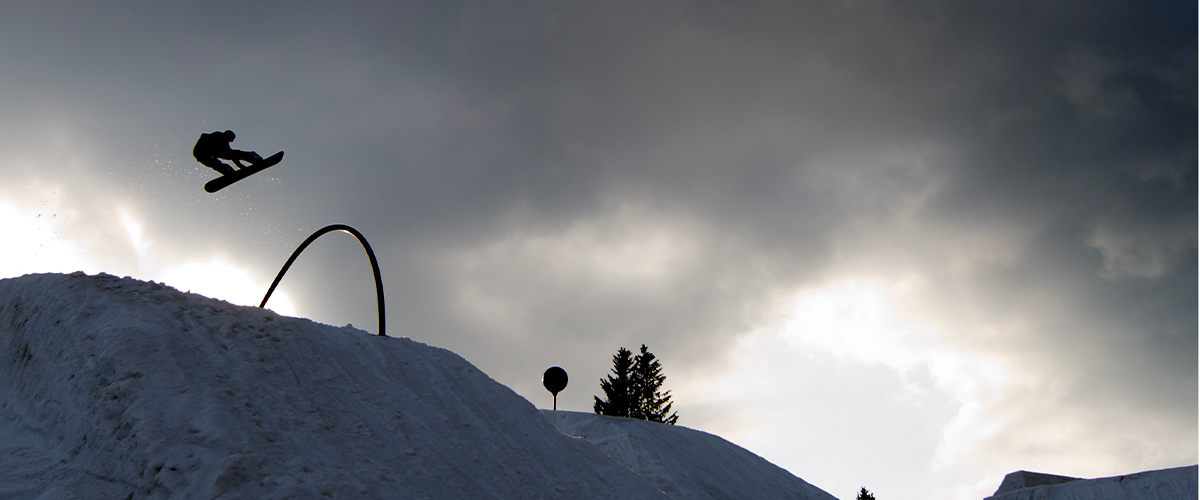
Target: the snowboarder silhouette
pixel 212 148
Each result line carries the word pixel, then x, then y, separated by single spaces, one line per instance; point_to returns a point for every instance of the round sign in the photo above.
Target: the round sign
pixel 555 379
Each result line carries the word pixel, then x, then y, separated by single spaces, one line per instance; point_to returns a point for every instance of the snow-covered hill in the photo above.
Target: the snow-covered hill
pixel 1166 484
pixel 685 463
pixel 115 388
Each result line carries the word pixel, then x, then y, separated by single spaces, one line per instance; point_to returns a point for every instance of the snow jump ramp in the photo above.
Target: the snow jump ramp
pixel 115 388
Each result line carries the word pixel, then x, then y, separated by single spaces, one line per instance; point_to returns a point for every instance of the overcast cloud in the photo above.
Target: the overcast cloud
pixel 907 247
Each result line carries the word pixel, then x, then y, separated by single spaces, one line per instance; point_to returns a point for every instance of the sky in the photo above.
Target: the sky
pixel 910 247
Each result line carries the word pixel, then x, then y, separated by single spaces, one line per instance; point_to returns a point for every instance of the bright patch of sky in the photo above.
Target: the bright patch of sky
pixel 33 243
pixel 841 356
pixel 36 243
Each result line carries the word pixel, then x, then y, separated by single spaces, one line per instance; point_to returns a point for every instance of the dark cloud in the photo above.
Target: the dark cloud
pixel 545 182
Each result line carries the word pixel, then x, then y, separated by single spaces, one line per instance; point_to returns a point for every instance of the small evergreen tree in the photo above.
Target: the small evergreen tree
pixel 634 389
pixel 618 395
pixel 650 404
pixel 863 494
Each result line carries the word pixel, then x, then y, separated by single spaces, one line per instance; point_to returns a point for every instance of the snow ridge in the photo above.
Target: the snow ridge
pixel 115 388
pixel 685 463
pixel 1165 484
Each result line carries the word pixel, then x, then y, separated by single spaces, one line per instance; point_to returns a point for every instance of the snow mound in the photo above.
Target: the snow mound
pixel 1025 479
pixel 115 388
pixel 685 463
pixel 1166 484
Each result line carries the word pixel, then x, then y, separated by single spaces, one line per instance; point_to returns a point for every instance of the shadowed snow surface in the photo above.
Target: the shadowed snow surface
pixel 1166 484
pixel 115 388
pixel 685 463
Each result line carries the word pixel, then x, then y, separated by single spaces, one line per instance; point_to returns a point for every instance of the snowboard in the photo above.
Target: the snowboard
pixel 225 180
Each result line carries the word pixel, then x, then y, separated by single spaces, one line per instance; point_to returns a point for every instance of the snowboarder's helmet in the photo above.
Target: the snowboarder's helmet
pixel 229 135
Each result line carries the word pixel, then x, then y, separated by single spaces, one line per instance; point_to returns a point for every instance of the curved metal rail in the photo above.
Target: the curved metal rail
pixel 366 246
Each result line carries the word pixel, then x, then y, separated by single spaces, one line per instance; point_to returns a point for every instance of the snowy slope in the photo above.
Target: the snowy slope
pixel 114 388
pixel 685 463
pixel 1166 484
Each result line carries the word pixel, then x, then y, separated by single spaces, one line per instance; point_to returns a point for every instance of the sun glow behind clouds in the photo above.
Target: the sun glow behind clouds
pixel 36 242
pixel 215 277
pixel 864 322
pixel 839 356
pixel 140 245
pixel 33 243
pixel 220 279
pixel 859 322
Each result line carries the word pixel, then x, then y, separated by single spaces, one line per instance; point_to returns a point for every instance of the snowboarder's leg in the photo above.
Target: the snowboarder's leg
pixel 247 156
pixel 217 165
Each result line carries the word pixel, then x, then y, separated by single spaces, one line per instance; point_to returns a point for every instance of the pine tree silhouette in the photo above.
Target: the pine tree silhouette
pixel 617 389
pixel 650 404
pixel 634 389
pixel 863 494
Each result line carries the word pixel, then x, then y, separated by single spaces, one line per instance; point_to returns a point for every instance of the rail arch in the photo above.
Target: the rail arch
pixel 370 255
